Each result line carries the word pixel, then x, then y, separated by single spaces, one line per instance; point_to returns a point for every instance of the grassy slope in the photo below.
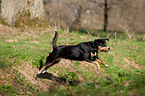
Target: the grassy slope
pixel 23 50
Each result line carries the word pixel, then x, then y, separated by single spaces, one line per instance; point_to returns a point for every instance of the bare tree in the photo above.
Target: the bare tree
pixel 0 6
pixel 129 13
pixel 11 10
pixel 77 14
pixel 77 22
pixel 106 9
pixel 97 14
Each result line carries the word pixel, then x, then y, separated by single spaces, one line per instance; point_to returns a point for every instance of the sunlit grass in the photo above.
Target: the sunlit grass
pixel 124 76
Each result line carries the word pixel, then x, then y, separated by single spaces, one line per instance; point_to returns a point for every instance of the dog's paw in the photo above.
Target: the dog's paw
pixel 106 65
pixel 38 73
pixel 98 68
pixel 43 71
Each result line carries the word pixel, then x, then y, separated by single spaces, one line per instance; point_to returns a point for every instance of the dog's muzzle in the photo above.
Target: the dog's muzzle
pixel 108 48
pixel 104 49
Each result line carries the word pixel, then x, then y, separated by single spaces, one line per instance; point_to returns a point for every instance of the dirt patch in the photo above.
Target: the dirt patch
pixel 30 75
pixel 132 63
pixel 5 29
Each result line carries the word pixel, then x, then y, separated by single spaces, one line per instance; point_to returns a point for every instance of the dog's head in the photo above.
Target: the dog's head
pixel 101 45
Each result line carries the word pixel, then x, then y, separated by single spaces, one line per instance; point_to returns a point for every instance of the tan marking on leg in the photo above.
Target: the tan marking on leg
pixel 96 63
pixel 41 69
pixel 101 61
pixel 49 65
pixel 53 63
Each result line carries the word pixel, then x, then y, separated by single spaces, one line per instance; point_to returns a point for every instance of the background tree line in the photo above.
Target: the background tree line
pixel 89 14
pixel 78 14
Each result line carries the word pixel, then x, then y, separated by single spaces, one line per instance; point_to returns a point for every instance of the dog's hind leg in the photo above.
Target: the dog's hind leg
pixel 51 64
pixel 47 65
pixel 96 63
pixel 41 69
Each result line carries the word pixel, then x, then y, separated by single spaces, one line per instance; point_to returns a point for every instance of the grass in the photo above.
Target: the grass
pixel 21 52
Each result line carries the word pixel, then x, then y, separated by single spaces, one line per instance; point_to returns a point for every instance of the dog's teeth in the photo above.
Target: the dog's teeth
pixel 98 68
pixel 106 65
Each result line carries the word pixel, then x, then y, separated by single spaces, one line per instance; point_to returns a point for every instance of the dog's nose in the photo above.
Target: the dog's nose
pixel 108 48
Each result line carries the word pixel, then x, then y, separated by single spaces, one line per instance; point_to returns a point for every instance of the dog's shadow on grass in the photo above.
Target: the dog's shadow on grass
pixel 50 76
pixel 60 80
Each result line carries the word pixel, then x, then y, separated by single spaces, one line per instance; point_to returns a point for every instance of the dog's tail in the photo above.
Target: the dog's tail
pixel 55 39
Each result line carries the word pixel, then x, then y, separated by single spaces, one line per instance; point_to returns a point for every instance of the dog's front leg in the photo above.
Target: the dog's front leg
pixel 101 61
pixel 97 64
pixel 94 60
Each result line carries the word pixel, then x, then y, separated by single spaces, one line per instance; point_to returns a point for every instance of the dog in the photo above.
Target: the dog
pixel 86 51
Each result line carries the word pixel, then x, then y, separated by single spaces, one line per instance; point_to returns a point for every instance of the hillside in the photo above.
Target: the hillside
pixel 23 50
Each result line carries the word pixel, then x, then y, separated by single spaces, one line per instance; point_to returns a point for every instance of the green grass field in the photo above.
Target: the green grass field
pixel 23 50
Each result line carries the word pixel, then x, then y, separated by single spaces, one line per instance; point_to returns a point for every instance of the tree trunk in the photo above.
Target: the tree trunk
pixel 11 10
pixel 77 22
pixel 106 9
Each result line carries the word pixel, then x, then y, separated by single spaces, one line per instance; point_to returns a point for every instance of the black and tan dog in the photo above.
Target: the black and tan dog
pixel 86 51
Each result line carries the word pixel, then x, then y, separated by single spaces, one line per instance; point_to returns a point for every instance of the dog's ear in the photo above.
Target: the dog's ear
pixel 96 41
pixel 107 39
